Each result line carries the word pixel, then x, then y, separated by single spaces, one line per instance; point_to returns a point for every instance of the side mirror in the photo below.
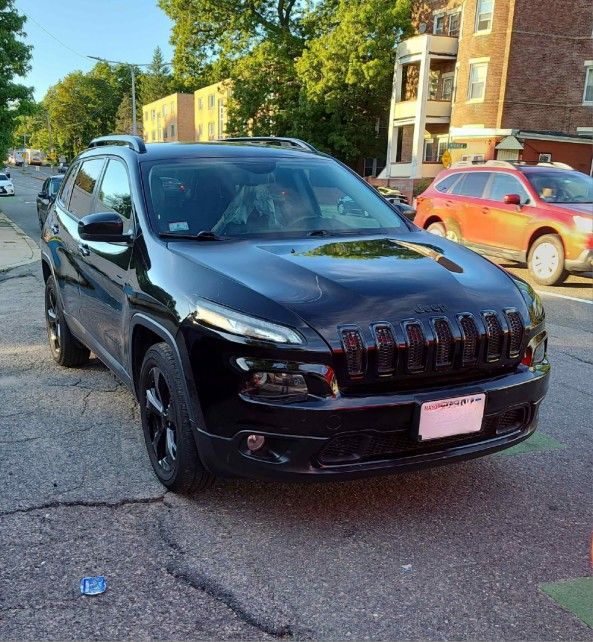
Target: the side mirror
pixel 512 199
pixel 103 226
pixel 42 195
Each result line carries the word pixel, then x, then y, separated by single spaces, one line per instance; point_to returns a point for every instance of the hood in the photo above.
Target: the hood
pixel 573 208
pixel 337 281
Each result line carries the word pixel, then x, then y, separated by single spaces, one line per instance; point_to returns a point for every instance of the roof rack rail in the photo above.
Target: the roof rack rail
pixel 133 142
pixel 278 141
pixel 488 163
pixel 555 164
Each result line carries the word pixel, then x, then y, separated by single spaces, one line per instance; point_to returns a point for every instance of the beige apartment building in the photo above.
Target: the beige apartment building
pixel 169 119
pixel 210 111
pixel 486 79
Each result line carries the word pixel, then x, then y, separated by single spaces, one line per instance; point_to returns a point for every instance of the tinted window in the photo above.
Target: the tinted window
pixel 271 196
pixel 44 188
pixel 67 184
pixel 114 194
pixel 503 184
pixel 445 184
pixel 3 177
pixel 472 184
pixel 84 185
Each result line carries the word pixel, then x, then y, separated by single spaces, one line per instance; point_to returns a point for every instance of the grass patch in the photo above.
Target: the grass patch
pixel 538 442
pixel 576 596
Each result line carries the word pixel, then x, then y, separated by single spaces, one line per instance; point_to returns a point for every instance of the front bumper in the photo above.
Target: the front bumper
pixel 360 436
pixel 6 191
pixel 583 263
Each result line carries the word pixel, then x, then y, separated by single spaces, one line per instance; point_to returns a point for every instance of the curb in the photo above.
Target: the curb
pixel 14 240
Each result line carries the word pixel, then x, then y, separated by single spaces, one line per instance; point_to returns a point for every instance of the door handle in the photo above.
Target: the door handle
pixel 55 229
pixel 83 248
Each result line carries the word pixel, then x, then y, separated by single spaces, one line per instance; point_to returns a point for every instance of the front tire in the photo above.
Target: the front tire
pixel 546 260
pixel 166 424
pixel 65 349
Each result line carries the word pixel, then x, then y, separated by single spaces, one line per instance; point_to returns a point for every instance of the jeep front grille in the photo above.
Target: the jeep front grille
pixel 440 343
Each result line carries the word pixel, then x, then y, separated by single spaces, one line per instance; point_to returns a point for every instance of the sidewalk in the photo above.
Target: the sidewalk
pixel 16 248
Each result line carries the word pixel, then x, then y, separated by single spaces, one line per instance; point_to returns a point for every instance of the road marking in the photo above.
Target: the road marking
pixel 564 296
pixel 538 442
pixel 576 596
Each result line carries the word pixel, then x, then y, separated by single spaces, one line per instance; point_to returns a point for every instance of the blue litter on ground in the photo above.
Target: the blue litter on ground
pixel 93 585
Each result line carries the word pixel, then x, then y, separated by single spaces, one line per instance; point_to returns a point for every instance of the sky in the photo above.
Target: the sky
pixel 123 30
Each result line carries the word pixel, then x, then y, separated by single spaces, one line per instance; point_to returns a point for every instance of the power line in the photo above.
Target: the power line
pixel 55 38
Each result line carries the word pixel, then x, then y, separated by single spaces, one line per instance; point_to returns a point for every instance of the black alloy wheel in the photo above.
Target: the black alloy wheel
pixel 168 433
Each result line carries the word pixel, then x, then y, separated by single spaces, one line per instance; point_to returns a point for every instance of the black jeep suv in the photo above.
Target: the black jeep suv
pixel 267 334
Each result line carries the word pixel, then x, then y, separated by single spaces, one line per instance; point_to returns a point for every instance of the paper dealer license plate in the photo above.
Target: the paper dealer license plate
pixel 448 417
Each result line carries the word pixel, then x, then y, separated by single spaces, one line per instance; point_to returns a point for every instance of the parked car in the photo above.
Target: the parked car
pixel 392 193
pixel 6 172
pixel 6 186
pixel 47 196
pixel 265 334
pixel 541 214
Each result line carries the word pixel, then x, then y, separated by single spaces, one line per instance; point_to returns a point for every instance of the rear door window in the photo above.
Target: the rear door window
pixel 473 184
pixel 84 186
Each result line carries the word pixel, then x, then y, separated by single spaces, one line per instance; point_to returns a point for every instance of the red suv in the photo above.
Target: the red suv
pixel 541 214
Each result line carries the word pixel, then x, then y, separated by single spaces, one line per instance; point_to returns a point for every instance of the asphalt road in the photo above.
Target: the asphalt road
pixel 458 552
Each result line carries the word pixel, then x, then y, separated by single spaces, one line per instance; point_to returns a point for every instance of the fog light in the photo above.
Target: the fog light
pixel 255 442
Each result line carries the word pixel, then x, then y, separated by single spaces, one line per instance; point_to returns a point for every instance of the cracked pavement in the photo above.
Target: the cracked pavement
pixel 449 553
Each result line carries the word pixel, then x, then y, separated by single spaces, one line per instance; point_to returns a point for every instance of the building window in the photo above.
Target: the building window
pixel 477 80
pixel 172 107
pixel 433 84
pixel 165 110
pixel 447 91
pixel 454 23
pixel 200 104
pixel 199 132
pixel 160 134
pixel 588 95
pixel 439 24
pixel 172 129
pixel 442 148
pixel 153 114
pixel 220 118
pixel 211 101
pixel 428 150
pixel 210 131
pixel 484 13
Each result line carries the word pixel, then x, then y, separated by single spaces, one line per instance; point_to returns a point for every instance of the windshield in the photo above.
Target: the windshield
pixel 3 177
pixel 562 186
pixel 234 197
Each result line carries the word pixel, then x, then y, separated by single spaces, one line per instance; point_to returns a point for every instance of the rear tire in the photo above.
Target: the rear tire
pixel 65 349
pixel 546 260
pixel 166 424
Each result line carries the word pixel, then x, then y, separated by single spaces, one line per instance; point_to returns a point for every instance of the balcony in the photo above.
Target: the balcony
pixel 437 109
pixel 445 46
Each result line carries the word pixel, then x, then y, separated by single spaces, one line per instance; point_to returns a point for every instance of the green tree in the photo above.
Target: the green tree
pixel 15 99
pixel 123 117
pixel 157 82
pixel 346 74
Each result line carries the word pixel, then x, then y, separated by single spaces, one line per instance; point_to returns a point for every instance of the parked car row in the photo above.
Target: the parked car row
pixel 6 185
pixel 541 215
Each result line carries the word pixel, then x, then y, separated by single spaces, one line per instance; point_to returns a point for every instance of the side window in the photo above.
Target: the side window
pixel 114 193
pixel 45 187
pixel 504 184
pixel 472 184
pixel 446 183
pixel 84 186
pixel 67 184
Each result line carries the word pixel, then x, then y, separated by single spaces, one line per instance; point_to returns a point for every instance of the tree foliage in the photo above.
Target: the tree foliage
pixel 157 81
pixel 15 98
pixel 318 70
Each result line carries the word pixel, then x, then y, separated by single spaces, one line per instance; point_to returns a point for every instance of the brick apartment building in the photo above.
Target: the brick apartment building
pixel 169 119
pixel 210 111
pixel 486 79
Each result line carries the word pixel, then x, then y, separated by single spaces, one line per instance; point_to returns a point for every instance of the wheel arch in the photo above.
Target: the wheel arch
pixel 146 332
pixel 433 218
pixel 542 231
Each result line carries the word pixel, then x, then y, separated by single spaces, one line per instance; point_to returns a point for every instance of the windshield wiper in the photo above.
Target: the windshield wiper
pixel 204 235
